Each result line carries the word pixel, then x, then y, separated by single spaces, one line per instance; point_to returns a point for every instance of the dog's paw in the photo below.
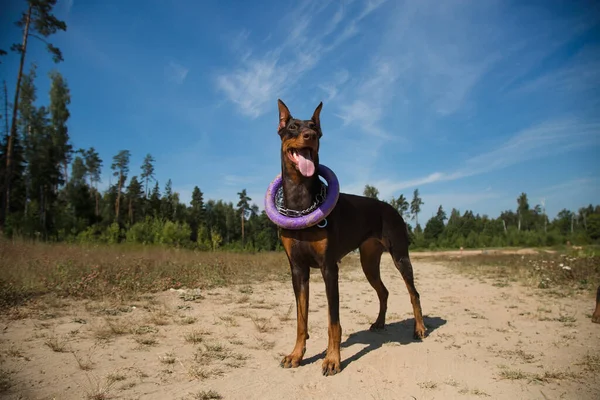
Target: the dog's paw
pixel 420 333
pixel 290 361
pixel 596 319
pixel 377 326
pixel 331 366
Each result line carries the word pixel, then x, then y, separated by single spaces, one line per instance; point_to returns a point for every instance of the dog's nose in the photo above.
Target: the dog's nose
pixel 309 135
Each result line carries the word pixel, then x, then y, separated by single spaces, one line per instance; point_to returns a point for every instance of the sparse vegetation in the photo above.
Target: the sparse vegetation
pixel 543 269
pixel 195 336
pixel 28 270
pixel 206 395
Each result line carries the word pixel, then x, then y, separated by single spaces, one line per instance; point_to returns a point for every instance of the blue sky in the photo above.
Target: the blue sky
pixel 473 102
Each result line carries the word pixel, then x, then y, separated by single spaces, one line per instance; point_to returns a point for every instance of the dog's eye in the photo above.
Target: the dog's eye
pixel 293 126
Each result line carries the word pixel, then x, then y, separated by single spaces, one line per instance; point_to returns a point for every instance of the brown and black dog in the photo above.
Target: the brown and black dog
pixel 370 225
pixel 596 314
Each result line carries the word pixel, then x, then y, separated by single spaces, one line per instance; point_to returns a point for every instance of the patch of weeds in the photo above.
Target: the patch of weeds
pixel 146 341
pixel 262 324
pixel 197 372
pixel 58 345
pixel 144 329
pixel 116 377
pixel 14 352
pixel 6 381
pixel 186 320
pixel 246 290
pixel 427 385
pixel 451 382
pixel 193 295
pixel 229 320
pixel 195 336
pixel 168 358
pixel 243 299
pixel 513 374
pixel 544 377
pixel 264 344
pixel 283 317
pixel 99 390
pixel 85 363
pixel 159 316
pixel 590 363
pixel 206 395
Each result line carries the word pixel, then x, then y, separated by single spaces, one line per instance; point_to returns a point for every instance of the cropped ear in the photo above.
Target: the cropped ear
pixel 284 115
pixel 316 115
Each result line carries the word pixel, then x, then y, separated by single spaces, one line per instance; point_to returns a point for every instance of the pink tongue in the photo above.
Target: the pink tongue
pixel 305 163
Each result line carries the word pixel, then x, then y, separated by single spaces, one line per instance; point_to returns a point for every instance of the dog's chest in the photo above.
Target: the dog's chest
pixel 307 250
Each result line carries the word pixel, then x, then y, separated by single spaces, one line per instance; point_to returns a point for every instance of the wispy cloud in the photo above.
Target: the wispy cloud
pixel 175 72
pixel 258 79
pixel 368 107
pixel 543 140
pixel 67 5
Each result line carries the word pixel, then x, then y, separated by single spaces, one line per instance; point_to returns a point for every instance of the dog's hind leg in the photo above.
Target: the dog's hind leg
pixel 596 315
pixel 370 258
pixel 398 248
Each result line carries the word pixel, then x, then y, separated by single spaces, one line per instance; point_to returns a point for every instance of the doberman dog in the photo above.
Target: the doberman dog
pixel 371 225
pixel 596 314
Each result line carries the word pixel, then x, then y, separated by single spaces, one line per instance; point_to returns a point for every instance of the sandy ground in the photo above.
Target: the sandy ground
pixel 484 341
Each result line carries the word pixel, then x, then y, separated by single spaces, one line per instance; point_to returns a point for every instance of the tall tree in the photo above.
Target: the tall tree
pixel 523 210
pixel 196 212
pixel 37 22
pixel 167 208
pixel 147 171
pixel 415 206
pixel 243 207
pixel 155 201
pixel 135 195
pixel 371 191
pixel 93 165
pixel 400 204
pixel 60 98
pixel 120 167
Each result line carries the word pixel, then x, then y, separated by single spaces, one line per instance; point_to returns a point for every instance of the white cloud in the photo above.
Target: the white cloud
pixel 175 72
pixel 550 138
pixel 68 5
pixel 258 79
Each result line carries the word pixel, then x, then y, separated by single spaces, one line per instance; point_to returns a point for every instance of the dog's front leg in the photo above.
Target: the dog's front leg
pixel 300 281
pixel 332 362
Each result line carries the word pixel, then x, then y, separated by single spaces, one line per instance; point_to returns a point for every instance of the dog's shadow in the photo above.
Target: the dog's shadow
pixel 396 332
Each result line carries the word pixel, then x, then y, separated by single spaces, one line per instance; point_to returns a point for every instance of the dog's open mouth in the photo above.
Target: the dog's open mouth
pixel 303 158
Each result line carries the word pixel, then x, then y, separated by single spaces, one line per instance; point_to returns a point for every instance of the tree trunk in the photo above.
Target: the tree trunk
pixel 13 128
pixel 118 203
pixel 97 203
pixel 243 239
pixel 130 213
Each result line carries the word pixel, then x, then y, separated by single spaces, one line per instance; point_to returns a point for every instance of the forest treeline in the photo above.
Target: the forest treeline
pixel 49 187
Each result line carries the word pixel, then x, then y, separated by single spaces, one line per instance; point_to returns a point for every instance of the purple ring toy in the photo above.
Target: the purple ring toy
pixel 305 221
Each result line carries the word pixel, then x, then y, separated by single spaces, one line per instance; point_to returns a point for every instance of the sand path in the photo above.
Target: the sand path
pixel 484 341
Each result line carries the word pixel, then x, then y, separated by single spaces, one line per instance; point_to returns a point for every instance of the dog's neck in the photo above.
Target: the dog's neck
pixel 299 192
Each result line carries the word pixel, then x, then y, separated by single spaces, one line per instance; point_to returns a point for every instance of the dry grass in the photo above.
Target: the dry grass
pixel 558 273
pixel 57 344
pixel 195 336
pixel 6 381
pixel 206 395
pixel 543 377
pixel 124 272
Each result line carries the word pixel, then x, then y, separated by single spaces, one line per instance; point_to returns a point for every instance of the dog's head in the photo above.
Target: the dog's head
pixel 299 142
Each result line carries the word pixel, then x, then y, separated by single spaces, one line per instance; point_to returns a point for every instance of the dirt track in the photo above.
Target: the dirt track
pixel 484 341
